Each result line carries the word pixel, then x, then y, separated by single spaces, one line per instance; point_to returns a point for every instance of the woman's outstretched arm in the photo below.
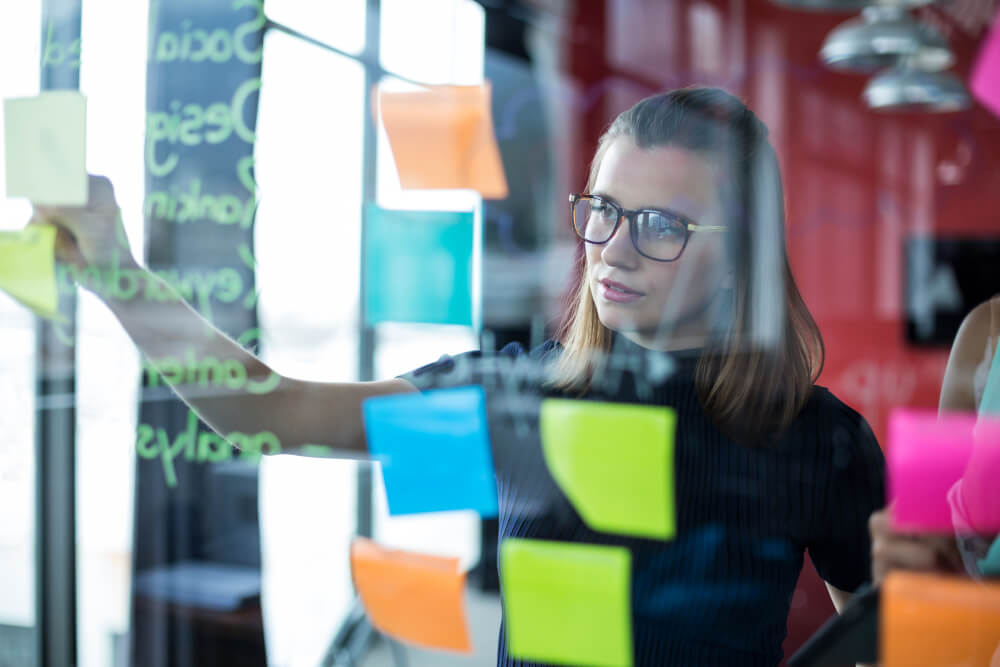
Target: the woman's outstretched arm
pixel 172 335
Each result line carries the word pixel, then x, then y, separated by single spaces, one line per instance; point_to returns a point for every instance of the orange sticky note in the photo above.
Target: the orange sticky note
pixel 929 619
pixel 413 597
pixel 442 138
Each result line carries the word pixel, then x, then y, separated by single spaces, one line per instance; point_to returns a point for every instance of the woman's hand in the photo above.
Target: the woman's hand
pixel 892 550
pixel 91 235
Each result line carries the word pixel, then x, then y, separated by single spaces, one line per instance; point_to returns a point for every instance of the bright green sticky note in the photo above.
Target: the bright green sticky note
pixel 45 139
pixel 27 268
pixel 567 603
pixel 418 266
pixel 615 463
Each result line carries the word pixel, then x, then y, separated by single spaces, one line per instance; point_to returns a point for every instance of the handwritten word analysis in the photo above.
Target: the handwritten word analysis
pixel 206 372
pixel 203 447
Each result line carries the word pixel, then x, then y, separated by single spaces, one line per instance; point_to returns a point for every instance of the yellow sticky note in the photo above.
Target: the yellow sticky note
pixel 27 268
pixel 442 138
pixel 45 139
pixel 567 603
pixel 615 463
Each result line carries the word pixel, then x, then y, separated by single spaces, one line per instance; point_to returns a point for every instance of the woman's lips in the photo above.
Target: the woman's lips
pixel 619 293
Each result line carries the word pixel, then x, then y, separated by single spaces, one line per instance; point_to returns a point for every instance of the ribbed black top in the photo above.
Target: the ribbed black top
pixel 720 592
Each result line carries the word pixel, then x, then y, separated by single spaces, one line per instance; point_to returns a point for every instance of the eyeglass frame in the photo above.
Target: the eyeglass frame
pixel 631 215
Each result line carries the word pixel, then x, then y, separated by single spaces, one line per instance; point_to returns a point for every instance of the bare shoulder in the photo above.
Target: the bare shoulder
pixel 969 351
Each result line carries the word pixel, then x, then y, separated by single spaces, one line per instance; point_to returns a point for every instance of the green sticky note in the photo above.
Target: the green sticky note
pixel 615 463
pixel 45 140
pixel 418 266
pixel 27 268
pixel 567 603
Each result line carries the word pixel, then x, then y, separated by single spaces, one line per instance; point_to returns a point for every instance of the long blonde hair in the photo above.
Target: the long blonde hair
pixel 751 384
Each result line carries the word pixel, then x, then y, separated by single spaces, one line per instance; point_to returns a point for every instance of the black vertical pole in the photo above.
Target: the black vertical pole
pixel 55 375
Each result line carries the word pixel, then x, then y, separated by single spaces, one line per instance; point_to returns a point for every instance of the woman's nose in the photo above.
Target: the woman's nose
pixel 619 251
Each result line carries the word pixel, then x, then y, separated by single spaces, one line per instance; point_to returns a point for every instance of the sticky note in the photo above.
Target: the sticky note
pixel 27 268
pixel 45 139
pixel 615 462
pixel 418 266
pixel 567 603
pixel 933 620
pixel 442 138
pixel 413 597
pixel 927 456
pixel 434 450
pixel 985 77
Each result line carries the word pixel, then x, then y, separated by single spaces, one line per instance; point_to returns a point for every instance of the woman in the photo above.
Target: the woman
pixel 971 383
pixel 682 226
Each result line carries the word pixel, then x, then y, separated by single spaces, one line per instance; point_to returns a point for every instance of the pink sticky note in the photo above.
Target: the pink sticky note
pixel 927 457
pixel 985 80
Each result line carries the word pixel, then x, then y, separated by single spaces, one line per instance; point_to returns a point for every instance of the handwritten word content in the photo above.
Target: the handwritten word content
pixel 206 372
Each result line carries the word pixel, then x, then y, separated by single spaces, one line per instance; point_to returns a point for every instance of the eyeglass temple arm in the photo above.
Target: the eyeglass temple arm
pixel 706 228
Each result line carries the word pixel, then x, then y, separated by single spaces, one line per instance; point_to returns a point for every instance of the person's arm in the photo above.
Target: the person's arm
pixel 169 332
pixel 967 353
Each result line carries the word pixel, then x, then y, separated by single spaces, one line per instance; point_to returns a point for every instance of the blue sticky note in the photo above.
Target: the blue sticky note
pixel 419 266
pixel 434 450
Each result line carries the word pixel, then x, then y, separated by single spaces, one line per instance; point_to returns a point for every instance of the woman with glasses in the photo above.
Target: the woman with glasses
pixel 683 266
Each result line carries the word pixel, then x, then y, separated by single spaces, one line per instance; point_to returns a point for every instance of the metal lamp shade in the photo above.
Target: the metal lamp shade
pixel 905 88
pixel 882 36
pixel 844 6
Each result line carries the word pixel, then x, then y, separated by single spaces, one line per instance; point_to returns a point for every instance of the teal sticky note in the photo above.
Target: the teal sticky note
pixel 614 462
pixel 567 603
pixel 418 266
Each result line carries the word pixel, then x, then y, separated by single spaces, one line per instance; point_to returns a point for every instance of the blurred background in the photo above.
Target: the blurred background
pixel 892 230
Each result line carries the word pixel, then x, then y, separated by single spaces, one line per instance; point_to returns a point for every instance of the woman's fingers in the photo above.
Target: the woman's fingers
pixel 907 551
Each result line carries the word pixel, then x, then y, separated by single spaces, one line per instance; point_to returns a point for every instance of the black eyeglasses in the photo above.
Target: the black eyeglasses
pixel 656 233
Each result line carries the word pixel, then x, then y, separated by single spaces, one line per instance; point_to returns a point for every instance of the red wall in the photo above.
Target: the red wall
pixel 857 182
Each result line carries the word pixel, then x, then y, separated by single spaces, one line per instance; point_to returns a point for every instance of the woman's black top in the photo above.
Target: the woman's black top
pixel 719 593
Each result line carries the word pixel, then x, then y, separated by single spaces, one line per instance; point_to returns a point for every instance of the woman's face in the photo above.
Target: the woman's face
pixel 666 303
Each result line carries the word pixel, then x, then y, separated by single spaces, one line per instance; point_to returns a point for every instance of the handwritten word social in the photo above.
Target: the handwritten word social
pixel 198 45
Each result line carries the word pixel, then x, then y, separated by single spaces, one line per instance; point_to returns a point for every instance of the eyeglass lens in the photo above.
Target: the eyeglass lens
pixel 657 235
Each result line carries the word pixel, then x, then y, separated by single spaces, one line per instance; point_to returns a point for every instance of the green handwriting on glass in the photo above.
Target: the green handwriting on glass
pixel 175 205
pixel 194 124
pixel 205 446
pixel 218 46
pixel 196 287
pixel 56 53
pixel 207 371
